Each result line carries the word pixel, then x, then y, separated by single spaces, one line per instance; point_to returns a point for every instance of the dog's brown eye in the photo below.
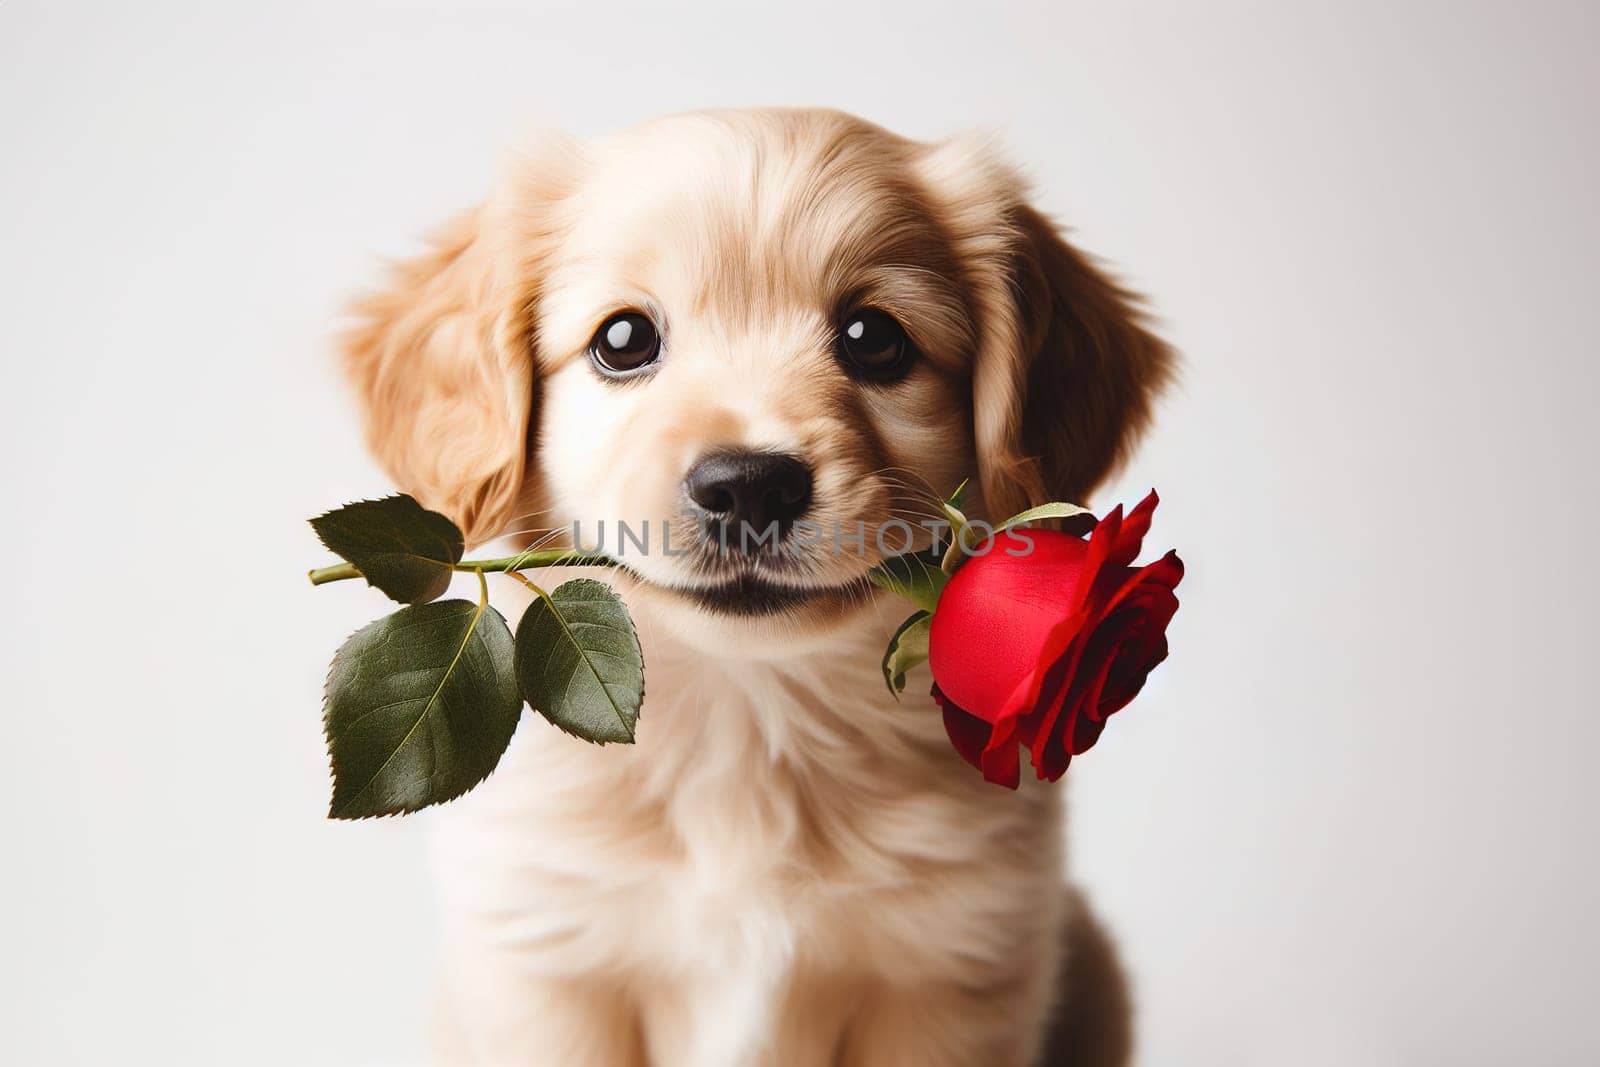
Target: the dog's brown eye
pixel 625 342
pixel 873 345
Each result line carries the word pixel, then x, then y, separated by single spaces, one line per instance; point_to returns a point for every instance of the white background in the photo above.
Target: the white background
pixel 1352 821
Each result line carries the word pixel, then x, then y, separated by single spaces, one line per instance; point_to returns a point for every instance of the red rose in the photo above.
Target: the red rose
pixel 1038 649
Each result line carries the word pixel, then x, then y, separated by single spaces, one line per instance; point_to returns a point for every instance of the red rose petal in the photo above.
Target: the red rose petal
pixel 968 733
pixel 991 749
pixel 1039 650
pixel 1118 658
pixel 1130 536
pixel 1136 604
pixel 992 635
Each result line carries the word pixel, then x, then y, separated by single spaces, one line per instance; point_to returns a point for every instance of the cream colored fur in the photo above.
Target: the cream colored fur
pixel 789 867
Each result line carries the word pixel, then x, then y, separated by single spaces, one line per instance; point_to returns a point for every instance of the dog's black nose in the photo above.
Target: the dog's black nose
pixel 746 490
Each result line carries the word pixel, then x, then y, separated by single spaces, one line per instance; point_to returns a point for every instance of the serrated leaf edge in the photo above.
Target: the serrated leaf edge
pixel 327 731
pixel 448 566
pixel 630 728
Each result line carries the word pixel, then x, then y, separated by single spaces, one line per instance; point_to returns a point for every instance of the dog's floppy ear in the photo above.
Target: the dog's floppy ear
pixel 443 359
pixel 1066 369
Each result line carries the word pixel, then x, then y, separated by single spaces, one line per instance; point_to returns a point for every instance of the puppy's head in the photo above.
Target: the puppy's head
pixel 747 352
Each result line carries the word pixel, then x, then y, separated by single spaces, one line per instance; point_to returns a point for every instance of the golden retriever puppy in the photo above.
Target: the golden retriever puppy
pixel 792 321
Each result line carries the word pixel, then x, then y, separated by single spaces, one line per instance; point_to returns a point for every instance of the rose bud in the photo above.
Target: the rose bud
pixel 1038 649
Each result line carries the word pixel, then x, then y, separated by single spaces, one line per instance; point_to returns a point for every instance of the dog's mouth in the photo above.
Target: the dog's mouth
pixel 749 593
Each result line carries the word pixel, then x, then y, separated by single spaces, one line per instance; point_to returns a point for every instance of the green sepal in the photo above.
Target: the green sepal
pixel 913 576
pixel 420 706
pixel 951 506
pixel 952 554
pixel 400 547
pixel 1054 510
pixel 578 661
pixel 908 648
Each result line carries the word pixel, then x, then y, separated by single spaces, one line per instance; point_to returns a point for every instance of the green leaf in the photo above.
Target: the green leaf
pixel 399 546
pixel 912 576
pixel 955 498
pixel 908 648
pixel 1056 510
pixel 420 706
pixel 578 661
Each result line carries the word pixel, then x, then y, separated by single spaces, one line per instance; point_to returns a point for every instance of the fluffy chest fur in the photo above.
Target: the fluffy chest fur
pixel 780 820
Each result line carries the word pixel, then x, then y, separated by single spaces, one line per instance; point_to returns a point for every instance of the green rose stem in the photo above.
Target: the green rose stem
pixel 544 557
